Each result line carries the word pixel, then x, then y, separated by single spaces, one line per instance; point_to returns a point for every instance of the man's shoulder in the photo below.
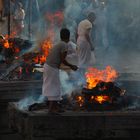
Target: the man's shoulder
pixel 85 21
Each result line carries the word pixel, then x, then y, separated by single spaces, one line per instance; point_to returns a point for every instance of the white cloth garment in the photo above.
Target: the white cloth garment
pixel 72 56
pixel 51 83
pixel 19 17
pixel 86 57
pixel 83 26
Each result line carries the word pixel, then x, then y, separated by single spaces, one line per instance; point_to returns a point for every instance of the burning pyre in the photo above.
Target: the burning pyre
pixel 100 93
pixel 19 52
pixel 16 49
pixel 100 90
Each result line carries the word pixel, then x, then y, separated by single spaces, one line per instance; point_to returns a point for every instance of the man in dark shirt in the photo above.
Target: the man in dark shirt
pixel 51 80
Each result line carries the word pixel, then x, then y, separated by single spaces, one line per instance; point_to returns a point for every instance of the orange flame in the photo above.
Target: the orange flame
pixel 80 100
pixel 43 59
pixel 12 35
pixel 6 42
pixel 46 46
pixel 45 49
pixel 56 17
pixel 101 99
pixel 36 59
pixel 17 50
pixel 94 76
pixel 55 20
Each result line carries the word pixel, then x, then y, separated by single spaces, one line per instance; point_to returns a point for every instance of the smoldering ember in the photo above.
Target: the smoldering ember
pixel 69 69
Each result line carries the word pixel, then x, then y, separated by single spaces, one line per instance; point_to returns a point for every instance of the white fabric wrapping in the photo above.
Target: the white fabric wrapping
pixel 51 83
pixel 72 56
pixel 92 59
pixel 83 27
pixel 20 16
pixel 86 56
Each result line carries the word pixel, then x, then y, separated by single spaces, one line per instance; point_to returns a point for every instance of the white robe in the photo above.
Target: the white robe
pixel 85 55
pixel 19 16
pixel 51 83
pixel 72 56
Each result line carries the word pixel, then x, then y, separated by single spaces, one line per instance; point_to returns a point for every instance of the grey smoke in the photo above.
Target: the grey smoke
pixel 26 102
pixel 116 34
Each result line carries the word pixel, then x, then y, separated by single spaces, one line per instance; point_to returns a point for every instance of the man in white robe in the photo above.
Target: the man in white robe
pixel 85 47
pixel 19 17
pixel 51 80
pixel 84 43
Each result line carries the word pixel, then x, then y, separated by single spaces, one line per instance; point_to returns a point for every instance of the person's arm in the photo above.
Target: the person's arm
pixel 63 58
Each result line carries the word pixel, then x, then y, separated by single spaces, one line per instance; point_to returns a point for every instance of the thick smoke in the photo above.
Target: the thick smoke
pixel 115 34
pixel 26 102
pixel 122 32
pixel 116 31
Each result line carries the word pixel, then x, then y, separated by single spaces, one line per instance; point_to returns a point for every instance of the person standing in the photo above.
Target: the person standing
pixel 19 16
pixel 84 42
pixel 51 80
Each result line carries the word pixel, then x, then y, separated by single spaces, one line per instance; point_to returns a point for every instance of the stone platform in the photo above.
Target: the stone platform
pixel 74 125
pixel 13 91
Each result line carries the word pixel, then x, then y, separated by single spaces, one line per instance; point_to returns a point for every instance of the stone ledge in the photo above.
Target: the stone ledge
pixel 74 124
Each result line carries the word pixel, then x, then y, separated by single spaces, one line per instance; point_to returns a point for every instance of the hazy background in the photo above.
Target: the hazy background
pixel 116 32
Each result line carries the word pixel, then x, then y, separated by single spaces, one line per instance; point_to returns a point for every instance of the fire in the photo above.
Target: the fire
pixel 6 42
pixel 94 76
pixel 36 59
pixel 54 21
pixel 45 48
pixel 12 35
pixel 41 57
pixel 80 100
pixel 101 99
pixel 56 17
pixel 17 50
